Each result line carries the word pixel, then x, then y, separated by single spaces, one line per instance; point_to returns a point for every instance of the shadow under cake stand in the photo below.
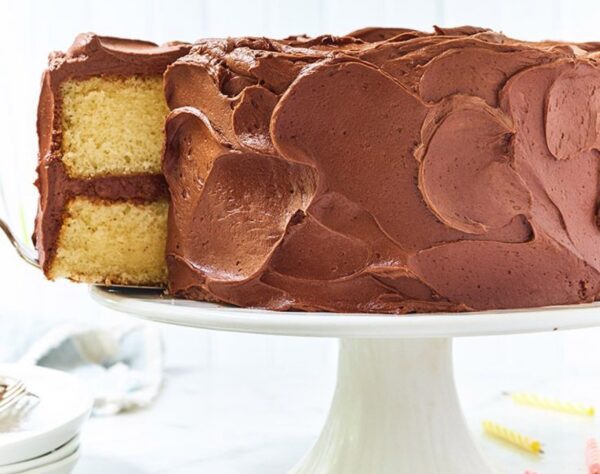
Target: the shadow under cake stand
pixel 395 409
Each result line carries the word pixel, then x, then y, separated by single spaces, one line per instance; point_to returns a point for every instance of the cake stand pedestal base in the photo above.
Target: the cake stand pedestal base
pixel 395 408
pixel 395 411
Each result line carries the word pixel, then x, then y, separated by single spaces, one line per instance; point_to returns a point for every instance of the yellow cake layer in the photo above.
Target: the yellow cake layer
pixel 112 125
pixel 112 242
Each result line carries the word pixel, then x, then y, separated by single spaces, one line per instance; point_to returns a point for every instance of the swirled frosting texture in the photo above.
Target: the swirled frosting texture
pixel 389 170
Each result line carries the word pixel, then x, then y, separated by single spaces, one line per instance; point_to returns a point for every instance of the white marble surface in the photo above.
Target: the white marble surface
pixel 244 416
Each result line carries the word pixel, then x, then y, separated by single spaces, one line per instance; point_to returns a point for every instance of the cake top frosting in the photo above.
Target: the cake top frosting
pixel 92 54
pixel 389 170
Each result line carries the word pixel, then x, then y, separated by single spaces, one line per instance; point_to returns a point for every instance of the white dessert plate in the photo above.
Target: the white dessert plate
pixel 64 466
pixel 59 454
pixel 64 405
pixel 156 307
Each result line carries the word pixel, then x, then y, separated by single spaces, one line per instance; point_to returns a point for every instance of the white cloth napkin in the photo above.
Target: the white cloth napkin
pixel 121 362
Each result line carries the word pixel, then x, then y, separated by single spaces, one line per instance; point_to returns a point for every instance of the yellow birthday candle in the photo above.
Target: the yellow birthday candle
pixel 512 437
pixel 538 401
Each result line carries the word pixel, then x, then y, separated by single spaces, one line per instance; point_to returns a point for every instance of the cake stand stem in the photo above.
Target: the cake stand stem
pixel 395 411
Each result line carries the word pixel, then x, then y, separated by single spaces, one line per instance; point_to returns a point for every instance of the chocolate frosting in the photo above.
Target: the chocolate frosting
pixel 89 56
pixel 386 171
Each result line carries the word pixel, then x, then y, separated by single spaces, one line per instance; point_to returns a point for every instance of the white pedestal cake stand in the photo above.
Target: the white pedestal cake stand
pixel 395 408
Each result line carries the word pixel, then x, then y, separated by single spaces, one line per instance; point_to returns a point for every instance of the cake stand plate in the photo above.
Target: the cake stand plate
pixel 395 409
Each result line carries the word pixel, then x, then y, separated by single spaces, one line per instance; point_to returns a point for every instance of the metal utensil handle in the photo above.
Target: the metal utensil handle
pixel 27 254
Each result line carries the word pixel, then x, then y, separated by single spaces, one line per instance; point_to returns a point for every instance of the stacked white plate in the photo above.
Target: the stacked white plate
pixel 44 439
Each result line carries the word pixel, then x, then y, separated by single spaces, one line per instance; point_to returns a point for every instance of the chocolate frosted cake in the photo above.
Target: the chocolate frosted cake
pixel 103 207
pixel 387 171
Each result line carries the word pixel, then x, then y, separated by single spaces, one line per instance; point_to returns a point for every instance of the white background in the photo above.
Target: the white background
pixel 29 29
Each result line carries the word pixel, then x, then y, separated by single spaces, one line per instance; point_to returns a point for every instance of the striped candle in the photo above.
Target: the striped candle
pixel 592 456
pixel 539 401
pixel 517 439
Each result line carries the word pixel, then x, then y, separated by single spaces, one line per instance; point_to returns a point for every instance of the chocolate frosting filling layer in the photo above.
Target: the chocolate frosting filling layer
pixel 390 171
pixel 89 56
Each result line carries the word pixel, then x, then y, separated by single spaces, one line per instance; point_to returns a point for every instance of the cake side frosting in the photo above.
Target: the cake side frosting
pixel 91 56
pixel 386 171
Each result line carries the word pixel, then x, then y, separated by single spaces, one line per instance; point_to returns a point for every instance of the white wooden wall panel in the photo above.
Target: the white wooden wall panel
pixel 527 19
pixel 578 20
pixel 286 18
pixel 417 14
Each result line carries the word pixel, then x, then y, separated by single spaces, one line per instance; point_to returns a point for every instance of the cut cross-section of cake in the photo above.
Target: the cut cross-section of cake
pixel 103 201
